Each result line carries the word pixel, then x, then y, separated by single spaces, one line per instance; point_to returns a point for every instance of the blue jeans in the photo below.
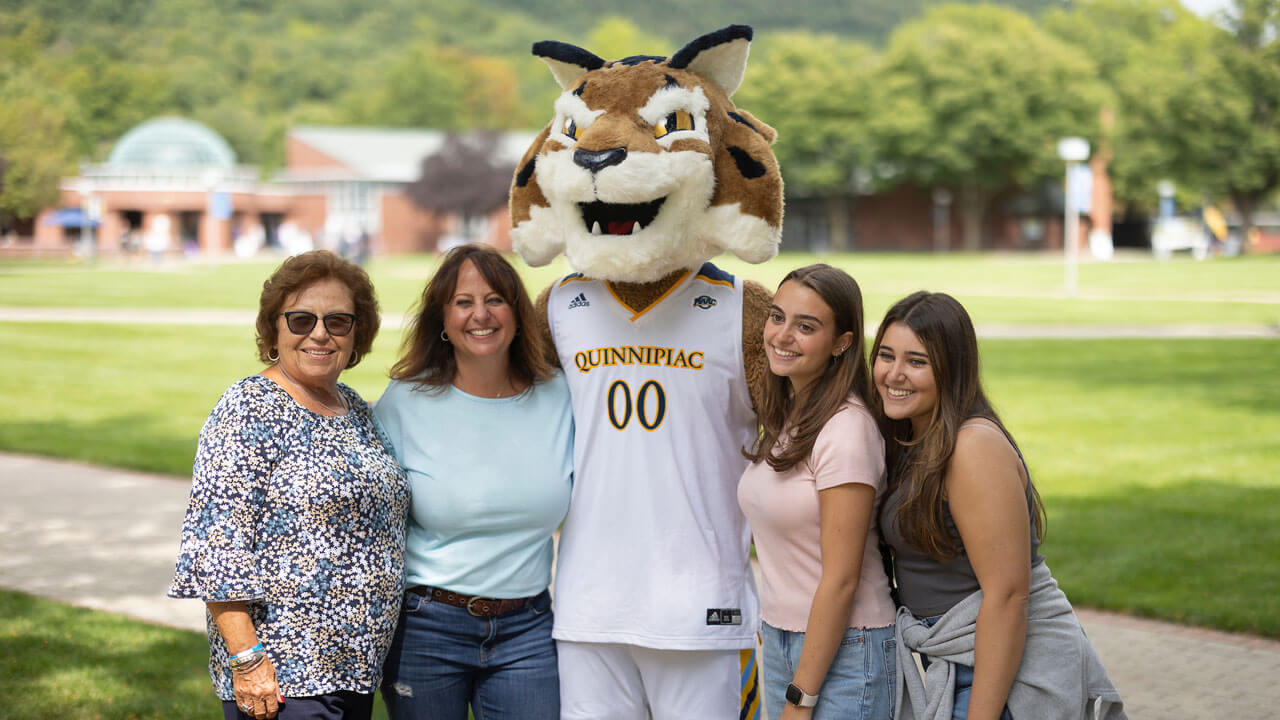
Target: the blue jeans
pixel 859 683
pixel 443 659
pixel 964 683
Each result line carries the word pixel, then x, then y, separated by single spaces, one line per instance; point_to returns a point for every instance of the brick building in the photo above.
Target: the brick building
pixel 173 185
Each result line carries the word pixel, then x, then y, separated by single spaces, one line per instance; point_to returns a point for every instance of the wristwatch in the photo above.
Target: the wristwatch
pixel 800 698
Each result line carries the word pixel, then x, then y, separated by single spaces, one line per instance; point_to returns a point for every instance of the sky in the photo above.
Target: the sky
pixel 1205 8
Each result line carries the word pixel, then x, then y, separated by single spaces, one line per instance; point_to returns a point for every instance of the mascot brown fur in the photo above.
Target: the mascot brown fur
pixel 645 173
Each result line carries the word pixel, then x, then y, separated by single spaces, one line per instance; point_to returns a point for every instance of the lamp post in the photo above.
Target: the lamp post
pixel 941 220
pixel 1073 151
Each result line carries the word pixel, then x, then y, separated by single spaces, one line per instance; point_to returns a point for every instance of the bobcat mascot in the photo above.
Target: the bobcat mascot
pixel 646 172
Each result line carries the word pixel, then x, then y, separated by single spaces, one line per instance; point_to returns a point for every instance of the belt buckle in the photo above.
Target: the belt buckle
pixel 472 610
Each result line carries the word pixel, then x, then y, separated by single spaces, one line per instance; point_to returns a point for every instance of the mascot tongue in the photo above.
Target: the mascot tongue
pixel 618 219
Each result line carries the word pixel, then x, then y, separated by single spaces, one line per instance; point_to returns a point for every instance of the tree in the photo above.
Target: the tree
pixel 815 90
pixel 1213 97
pixel 35 149
pixel 465 177
pixel 974 98
pixel 614 38
pixel 438 87
pixel 1119 35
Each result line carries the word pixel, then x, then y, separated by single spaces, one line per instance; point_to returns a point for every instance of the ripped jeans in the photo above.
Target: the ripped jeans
pixel 443 659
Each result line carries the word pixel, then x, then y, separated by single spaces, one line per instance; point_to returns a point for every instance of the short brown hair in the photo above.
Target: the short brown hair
pixel 303 270
pixel 428 360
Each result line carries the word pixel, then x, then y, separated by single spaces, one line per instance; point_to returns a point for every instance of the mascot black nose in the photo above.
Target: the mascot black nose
pixel 597 160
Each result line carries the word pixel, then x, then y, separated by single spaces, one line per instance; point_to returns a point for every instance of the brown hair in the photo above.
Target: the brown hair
pixel 920 463
pixel 428 360
pixel 301 271
pixel 803 416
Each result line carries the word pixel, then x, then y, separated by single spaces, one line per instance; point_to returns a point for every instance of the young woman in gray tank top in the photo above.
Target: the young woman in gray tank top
pixel 964 523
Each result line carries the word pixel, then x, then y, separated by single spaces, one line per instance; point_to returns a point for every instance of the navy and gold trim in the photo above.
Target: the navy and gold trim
pixel 712 274
pixel 750 686
pixel 576 277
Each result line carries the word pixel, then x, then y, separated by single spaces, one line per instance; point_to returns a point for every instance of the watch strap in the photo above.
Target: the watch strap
pixel 799 697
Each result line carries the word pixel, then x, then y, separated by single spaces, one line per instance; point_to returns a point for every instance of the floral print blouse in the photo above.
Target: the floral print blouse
pixel 302 516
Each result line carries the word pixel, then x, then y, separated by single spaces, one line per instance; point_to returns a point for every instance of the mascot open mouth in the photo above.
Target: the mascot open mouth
pixel 602 218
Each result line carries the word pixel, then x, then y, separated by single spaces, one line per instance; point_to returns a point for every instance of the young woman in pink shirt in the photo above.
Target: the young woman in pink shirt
pixel 815 478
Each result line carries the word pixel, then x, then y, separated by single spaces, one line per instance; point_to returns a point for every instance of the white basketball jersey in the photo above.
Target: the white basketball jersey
pixel 654 551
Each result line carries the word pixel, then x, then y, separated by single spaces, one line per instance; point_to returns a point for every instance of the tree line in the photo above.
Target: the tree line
pixel 971 98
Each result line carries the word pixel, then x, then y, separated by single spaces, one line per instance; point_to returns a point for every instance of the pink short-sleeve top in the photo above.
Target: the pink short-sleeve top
pixel 782 509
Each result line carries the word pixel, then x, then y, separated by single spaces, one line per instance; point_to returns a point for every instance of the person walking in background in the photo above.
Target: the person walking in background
pixel 964 521
pixel 809 494
pixel 294 535
pixel 484 427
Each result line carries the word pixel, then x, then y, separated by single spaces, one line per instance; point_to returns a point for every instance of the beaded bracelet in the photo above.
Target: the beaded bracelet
pixel 247 660
pixel 246 653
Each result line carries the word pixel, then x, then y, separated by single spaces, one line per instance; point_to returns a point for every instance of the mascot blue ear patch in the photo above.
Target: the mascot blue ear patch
pixel 526 172
pixel 566 53
pixel 738 118
pixel 568 62
pixel 637 59
pixel 723 36
pixel 747 165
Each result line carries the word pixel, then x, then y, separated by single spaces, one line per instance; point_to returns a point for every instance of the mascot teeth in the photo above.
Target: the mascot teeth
pixel 619 219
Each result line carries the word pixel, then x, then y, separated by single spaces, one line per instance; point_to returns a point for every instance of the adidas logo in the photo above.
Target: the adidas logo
pixel 579 301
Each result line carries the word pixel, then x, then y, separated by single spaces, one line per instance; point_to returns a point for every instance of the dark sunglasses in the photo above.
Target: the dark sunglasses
pixel 301 322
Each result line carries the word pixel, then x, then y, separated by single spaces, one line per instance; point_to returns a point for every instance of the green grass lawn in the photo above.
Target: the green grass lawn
pixel 58 661
pixel 997 289
pixel 1159 462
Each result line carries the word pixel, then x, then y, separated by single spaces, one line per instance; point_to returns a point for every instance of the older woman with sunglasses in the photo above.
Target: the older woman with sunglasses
pixel 294 535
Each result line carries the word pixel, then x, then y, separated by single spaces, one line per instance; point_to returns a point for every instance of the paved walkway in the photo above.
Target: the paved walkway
pixel 107 539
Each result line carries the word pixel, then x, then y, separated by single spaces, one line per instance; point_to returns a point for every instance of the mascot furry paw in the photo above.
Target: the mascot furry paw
pixel 646 172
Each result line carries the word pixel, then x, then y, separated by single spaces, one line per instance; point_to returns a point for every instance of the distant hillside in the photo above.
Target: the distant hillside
pixel 680 20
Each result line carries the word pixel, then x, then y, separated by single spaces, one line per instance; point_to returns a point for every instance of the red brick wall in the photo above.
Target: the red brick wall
pixel 301 155
pixel 407 228
pixel 902 219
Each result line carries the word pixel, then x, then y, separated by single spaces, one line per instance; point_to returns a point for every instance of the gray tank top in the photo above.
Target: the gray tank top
pixel 928 587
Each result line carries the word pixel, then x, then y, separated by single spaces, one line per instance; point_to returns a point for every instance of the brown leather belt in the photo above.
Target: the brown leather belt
pixel 474 604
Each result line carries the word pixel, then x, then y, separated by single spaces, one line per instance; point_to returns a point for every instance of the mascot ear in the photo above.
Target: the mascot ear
pixel 720 56
pixel 567 62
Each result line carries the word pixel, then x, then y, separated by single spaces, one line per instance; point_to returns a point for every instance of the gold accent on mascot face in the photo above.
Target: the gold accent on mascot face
pixel 647 166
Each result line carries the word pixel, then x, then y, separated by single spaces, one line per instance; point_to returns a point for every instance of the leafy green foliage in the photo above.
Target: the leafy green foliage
pixel 866 20
pixel 1118 36
pixel 35 142
pixel 961 111
pixel 815 90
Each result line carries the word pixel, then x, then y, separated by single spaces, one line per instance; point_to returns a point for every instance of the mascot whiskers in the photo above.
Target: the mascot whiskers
pixel 645 173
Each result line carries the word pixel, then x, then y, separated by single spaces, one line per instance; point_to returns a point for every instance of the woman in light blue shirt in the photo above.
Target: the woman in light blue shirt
pixel 483 426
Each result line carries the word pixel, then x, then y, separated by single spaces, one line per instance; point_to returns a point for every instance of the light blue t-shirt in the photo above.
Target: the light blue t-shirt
pixel 491 481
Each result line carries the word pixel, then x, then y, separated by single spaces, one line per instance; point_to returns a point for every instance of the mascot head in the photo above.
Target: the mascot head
pixel 647 166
